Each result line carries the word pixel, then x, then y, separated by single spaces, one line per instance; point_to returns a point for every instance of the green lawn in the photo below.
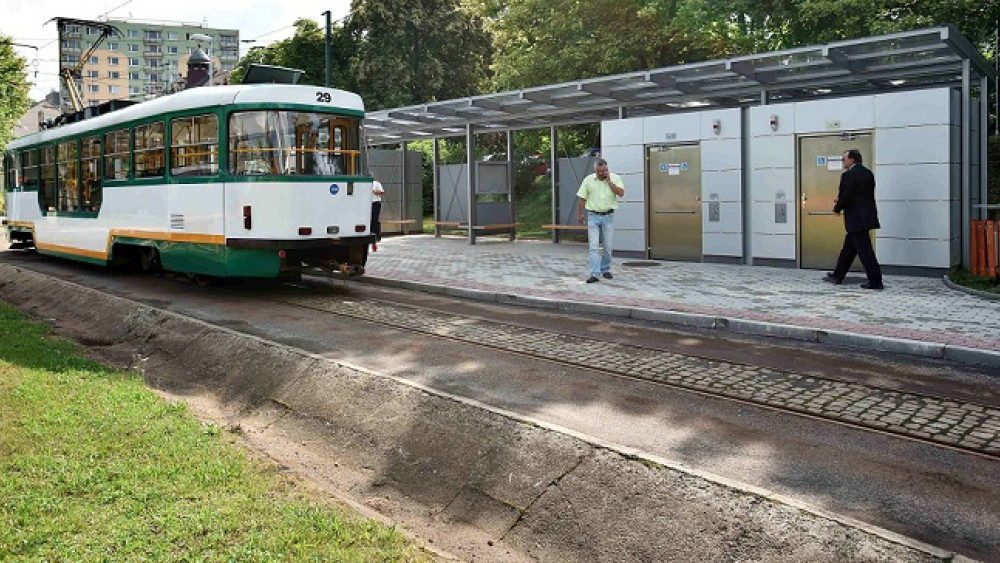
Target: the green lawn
pixel 980 283
pixel 94 466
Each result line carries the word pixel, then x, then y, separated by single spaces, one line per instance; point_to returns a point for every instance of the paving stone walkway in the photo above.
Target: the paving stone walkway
pixel 912 308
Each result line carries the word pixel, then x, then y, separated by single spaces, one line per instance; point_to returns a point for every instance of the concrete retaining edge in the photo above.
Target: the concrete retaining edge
pixel 507 474
pixel 918 348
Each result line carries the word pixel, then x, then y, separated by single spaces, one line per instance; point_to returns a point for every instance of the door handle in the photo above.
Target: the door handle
pixel 821 213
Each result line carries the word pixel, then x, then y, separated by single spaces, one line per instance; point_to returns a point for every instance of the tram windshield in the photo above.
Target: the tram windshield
pixel 285 143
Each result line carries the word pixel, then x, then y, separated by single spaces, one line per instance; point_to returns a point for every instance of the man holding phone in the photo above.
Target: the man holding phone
pixel 599 193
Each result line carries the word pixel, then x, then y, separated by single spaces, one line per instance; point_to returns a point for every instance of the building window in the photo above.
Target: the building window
pixel 94 60
pixel 113 61
pixel 114 89
pixel 93 88
pixel 114 74
pixel 133 76
pixel 133 33
pixel 112 46
pixel 172 50
pixel 133 61
pixel 172 36
pixel 93 74
pixel 133 90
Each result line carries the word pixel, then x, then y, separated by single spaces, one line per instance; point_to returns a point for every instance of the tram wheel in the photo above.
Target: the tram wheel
pixel 201 280
pixel 149 259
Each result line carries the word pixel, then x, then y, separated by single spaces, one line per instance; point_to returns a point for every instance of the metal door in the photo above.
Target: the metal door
pixel 821 232
pixel 673 174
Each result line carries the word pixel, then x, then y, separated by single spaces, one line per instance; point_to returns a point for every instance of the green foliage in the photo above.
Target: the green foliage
pixel 546 41
pixel 14 87
pixel 414 52
pixel 306 51
pixel 749 26
pixel 94 466
pixel 993 172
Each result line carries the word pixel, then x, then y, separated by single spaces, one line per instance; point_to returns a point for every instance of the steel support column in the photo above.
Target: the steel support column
pixel 966 173
pixel 436 189
pixel 553 163
pixel 470 158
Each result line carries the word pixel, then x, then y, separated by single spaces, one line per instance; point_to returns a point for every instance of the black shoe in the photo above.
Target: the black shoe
pixel 607 275
pixel 870 286
pixel 830 278
pixel 592 279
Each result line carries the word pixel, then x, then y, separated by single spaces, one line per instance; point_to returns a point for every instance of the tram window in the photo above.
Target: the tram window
pixel 90 157
pixel 117 159
pixel 47 191
pixel 293 143
pixel 149 150
pixel 69 178
pixel 29 174
pixel 13 168
pixel 194 146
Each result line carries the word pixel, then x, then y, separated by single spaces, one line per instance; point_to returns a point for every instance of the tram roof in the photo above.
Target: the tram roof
pixel 204 97
pixel 898 61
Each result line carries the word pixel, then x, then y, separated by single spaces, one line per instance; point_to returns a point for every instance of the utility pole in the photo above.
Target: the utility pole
pixel 329 47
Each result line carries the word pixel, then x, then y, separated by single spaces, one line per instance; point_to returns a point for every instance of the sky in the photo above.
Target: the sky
pixel 263 21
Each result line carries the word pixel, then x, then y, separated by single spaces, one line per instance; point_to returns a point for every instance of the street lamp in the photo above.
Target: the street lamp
pixel 211 40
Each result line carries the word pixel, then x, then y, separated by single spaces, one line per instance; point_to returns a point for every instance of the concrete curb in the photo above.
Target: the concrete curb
pixel 838 338
pixel 515 478
pixel 982 294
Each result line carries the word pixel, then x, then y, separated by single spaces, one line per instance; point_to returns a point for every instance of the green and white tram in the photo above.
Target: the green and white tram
pixel 232 181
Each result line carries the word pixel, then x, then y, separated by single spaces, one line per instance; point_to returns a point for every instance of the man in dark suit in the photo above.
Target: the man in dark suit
pixel 856 200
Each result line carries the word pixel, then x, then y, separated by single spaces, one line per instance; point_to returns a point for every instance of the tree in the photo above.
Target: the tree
pixel 415 51
pixel 749 26
pixel 546 41
pixel 14 102
pixel 306 51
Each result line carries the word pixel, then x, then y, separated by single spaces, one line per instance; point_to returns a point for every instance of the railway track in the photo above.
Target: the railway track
pixel 945 422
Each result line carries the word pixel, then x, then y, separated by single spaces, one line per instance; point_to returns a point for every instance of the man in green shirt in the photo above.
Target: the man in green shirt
pixel 599 193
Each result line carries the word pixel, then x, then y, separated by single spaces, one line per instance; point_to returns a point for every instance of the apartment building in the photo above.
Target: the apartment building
pixel 144 60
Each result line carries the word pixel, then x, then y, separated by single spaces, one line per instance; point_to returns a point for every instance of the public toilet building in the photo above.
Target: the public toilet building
pixel 738 160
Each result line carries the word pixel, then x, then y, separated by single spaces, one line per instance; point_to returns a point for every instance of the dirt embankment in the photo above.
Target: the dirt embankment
pixel 471 482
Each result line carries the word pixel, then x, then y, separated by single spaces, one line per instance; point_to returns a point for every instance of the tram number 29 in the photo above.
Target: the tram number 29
pixel 322 96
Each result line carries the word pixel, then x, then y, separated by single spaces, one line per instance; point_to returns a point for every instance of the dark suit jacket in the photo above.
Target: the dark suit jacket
pixel 856 199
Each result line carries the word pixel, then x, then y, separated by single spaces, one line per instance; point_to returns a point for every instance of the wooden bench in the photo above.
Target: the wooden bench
pixel 450 225
pixel 397 221
pixel 498 226
pixel 565 227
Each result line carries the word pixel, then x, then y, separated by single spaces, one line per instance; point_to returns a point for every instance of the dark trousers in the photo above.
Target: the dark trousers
pixel 858 244
pixel 376 226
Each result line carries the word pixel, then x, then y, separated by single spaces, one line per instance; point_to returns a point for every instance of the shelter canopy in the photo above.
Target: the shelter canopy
pixel 899 61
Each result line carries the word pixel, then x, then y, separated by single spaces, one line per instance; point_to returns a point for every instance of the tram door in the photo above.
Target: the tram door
pixel 673 174
pixel 821 233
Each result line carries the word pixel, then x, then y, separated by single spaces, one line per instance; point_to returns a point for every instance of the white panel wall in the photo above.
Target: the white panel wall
pixel 772 180
pixel 913 176
pixel 915 170
pixel 623 145
pixel 916 165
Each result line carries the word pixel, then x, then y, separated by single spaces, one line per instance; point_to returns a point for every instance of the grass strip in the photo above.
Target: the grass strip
pixel 93 465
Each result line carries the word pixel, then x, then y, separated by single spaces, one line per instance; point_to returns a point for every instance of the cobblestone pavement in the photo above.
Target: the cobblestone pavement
pixel 912 308
pixel 950 422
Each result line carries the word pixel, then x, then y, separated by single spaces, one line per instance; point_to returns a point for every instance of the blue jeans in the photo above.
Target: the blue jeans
pixel 600 228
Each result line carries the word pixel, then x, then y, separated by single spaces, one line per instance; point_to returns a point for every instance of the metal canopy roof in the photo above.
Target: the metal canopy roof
pixel 898 61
